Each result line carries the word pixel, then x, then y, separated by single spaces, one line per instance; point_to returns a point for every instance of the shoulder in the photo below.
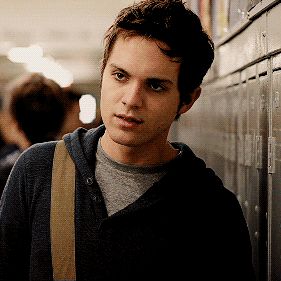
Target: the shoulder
pixel 32 171
pixel 204 180
pixel 40 151
pixel 41 147
pixel 37 157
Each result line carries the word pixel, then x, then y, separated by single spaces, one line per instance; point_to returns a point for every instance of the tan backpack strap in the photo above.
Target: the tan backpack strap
pixel 62 218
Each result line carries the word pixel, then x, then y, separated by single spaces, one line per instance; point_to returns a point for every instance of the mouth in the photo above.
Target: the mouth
pixel 130 119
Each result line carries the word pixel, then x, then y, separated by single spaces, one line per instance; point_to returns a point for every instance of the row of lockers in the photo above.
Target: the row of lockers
pixel 237 130
pixel 235 126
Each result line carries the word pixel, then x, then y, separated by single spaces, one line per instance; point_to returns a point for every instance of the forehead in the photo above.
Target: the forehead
pixel 144 55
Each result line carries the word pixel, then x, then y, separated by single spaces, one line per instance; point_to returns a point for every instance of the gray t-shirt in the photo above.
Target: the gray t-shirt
pixel 122 184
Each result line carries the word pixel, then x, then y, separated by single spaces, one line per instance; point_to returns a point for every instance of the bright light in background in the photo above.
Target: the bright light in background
pixel 25 54
pixel 88 109
pixel 34 61
pixel 52 70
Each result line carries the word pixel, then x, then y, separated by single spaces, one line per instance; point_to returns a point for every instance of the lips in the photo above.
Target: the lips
pixel 128 118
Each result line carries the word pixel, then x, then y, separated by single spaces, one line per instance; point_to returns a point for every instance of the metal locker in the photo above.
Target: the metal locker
pixel 261 168
pixel 242 132
pixel 231 133
pixel 220 105
pixel 226 130
pixel 252 176
pixel 275 177
pixel 206 135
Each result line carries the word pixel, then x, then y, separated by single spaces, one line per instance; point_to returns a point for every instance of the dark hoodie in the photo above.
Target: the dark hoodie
pixel 187 226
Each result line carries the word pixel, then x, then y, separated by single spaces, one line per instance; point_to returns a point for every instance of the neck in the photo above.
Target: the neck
pixel 147 155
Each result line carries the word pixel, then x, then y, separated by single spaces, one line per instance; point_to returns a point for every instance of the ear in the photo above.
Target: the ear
pixel 194 96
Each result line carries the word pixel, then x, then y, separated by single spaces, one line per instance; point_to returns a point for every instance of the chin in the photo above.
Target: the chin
pixel 126 139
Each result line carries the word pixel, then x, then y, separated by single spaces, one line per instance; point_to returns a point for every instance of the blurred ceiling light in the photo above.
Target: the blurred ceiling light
pixel 25 54
pixel 34 61
pixel 52 70
pixel 88 109
pixel 62 76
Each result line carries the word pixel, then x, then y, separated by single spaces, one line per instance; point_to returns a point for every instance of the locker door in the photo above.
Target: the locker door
pixel 242 131
pixel 230 172
pixel 261 166
pixel 208 137
pixel 218 111
pixel 226 131
pixel 252 176
pixel 204 121
pixel 275 176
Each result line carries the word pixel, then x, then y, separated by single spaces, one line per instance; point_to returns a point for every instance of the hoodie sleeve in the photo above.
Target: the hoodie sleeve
pixel 14 233
pixel 232 244
pixel 223 223
pixel 238 239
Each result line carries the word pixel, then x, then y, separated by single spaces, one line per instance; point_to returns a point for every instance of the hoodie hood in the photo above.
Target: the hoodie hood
pixel 82 145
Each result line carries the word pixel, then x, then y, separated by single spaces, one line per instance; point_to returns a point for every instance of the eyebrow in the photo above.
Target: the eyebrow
pixel 155 79
pixel 120 69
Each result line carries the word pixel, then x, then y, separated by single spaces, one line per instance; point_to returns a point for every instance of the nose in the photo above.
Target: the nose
pixel 133 96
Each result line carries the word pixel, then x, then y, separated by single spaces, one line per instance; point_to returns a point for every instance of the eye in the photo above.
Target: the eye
pixel 119 76
pixel 156 86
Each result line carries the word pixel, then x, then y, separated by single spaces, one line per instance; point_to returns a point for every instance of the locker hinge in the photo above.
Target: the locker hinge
pixel 271 155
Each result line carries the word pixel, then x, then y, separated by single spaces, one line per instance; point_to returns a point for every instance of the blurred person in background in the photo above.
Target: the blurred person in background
pixel 33 111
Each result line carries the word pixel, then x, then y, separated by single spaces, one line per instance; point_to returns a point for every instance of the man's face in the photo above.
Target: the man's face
pixel 139 93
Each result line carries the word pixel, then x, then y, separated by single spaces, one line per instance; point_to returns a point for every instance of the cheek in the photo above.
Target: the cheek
pixel 106 93
pixel 163 114
pixel 168 109
pixel 109 90
pixel 104 104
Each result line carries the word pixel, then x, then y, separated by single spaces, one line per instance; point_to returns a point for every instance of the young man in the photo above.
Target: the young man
pixel 145 208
